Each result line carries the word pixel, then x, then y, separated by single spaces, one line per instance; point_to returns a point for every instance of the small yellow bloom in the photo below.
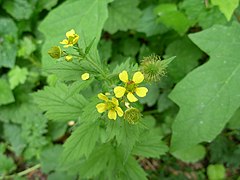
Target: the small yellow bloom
pixel 85 76
pixel 72 38
pixel 131 86
pixel 68 58
pixel 112 106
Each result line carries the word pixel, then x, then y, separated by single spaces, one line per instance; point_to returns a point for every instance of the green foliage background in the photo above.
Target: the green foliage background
pixel 191 116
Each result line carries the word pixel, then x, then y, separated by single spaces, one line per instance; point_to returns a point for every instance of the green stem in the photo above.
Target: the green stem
pixel 97 67
pixel 22 173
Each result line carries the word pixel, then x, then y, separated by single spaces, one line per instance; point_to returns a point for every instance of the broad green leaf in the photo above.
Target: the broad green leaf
pixel 17 76
pixel 49 158
pixel 209 95
pixel 62 102
pixel 150 145
pixel 8 41
pixel 227 7
pixel 187 56
pixel 6 95
pixel 19 9
pixel 81 143
pixel 86 17
pixel 191 155
pixel 216 171
pixel 234 122
pixel 123 15
pixel 164 102
pixel 148 23
pixel 170 16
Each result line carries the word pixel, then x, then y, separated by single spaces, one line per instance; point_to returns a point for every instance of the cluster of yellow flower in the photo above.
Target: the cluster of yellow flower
pixel 125 93
pixel 129 88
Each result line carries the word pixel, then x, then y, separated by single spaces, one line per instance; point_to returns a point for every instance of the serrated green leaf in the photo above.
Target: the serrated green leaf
pixel 6 165
pixel 187 56
pixel 97 161
pixel 62 102
pixel 227 7
pixel 133 170
pixel 209 95
pixel 148 23
pixel 198 13
pixel 150 145
pixel 17 76
pixel 76 15
pixel 19 9
pixel 8 48
pixel 81 143
pixel 6 95
pixel 27 47
pixel 123 15
pixel 12 133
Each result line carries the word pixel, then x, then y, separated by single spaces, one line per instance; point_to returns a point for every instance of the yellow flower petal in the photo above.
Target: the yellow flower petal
pixel 141 91
pixel 85 76
pixel 102 97
pixel 112 114
pixel 70 33
pixel 75 40
pixel 65 41
pixel 119 111
pixel 123 76
pixel 119 91
pixel 138 77
pixel 101 107
pixel 115 101
pixel 131 97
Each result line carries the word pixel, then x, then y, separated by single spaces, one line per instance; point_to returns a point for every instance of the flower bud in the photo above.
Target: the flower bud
pixel 68 58
pixel 153 68
pixel 132 115
pixel 55 52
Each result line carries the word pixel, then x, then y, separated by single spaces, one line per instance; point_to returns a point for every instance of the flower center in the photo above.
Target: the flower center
pixel 110 105
pixel 130 86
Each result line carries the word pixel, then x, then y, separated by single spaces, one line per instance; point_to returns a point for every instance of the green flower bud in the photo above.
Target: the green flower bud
pixel 153 68
pixel 55 52
pixel 132 115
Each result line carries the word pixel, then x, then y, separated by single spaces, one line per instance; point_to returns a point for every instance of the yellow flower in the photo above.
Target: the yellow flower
pixel 112 106
pixel 131 86
pixel 85 76
pixel 72 38
pixel 68 58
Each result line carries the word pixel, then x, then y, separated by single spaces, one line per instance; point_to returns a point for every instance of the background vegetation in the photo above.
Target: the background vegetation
pixel 194 107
